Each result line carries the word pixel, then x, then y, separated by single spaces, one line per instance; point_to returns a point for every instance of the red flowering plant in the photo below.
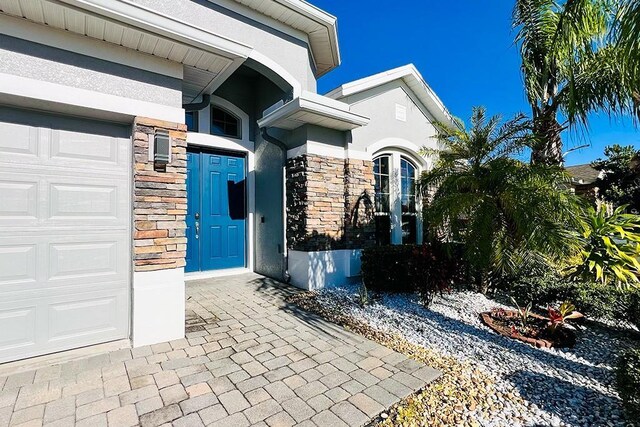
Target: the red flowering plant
pixel 559 317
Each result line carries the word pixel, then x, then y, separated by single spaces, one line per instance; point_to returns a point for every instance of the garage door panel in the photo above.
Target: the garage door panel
pixel 60 148
pixel 76 146
pixel 18 265
pixel 65 240
pixel 43 325
pixel 19 328
pixel 19 199
pixel 42 262
pixel 85 201
pixel 76 201
pixel 84 317
pixel 45 200
pixel 21 140
pixel 70 262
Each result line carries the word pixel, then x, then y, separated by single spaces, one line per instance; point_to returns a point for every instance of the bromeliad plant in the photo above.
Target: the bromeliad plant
pixel 611 248
pixel 559 317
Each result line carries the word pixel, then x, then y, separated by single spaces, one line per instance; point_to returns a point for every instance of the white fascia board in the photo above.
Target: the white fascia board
pixel 316 105
pixel 329 22
pixel 411 77
pixel 325 21
pixel 129 13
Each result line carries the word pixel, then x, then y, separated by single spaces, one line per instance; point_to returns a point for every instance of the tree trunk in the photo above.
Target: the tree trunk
pixel 547 130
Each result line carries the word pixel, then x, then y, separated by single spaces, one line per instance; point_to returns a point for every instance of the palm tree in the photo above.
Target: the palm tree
pixel 570 68
pixel 626 33
pixel 510 216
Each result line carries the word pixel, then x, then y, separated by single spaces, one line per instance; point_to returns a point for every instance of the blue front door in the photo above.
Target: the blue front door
pixel 216 211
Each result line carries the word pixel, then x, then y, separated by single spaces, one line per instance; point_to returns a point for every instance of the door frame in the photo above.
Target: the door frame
pixel 241 148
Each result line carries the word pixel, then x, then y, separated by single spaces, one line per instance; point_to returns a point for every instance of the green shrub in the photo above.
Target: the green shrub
pixel 541 290
pixel 628 380
pixel 426 269
pixel 385 269
pixel 633 308
pixel 594 300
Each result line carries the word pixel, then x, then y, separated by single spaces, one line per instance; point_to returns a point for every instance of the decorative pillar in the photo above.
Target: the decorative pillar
pixel 159 209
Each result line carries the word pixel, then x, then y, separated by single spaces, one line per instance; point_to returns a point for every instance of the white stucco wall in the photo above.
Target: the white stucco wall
pixel 286 47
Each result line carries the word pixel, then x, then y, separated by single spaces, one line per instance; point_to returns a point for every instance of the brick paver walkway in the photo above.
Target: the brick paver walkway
pixel 248 359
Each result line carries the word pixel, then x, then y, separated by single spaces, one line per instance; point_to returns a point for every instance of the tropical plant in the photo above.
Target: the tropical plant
pixel 619 184
pixel 558 317
pixel 626 32
pixel 610 248
pixel 570 68
pixel 523 312
pixel 511 216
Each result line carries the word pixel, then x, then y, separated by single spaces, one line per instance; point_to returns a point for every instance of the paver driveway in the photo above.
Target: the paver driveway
pixel 248 359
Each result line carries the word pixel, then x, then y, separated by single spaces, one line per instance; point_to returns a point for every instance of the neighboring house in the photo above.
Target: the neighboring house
pixel 583 180
pixel 143 142
pixel 584 183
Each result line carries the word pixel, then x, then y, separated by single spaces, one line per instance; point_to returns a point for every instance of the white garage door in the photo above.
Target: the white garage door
pixel 65 187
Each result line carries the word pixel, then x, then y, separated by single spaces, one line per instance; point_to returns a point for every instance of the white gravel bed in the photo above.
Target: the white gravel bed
pixel 565 387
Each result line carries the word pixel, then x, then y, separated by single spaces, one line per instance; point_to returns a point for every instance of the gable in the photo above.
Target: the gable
pixel 394 112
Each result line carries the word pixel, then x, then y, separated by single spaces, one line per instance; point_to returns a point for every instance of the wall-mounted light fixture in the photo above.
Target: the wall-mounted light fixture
pixel 161 148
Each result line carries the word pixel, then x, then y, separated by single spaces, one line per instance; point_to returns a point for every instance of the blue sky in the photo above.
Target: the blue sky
pixel 464 50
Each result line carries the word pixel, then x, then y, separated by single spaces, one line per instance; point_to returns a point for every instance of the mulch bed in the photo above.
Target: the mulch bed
pixel 507 323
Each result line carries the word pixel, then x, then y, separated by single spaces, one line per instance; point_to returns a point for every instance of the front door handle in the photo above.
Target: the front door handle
pixel 197 229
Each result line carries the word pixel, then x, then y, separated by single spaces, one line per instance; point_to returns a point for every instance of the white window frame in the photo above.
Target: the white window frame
pixel 395 196
pixel 391 207
pixel 416 177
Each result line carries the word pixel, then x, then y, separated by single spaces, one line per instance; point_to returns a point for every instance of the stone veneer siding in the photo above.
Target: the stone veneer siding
pixel 360 231
pixel 329 203
pixel 160 199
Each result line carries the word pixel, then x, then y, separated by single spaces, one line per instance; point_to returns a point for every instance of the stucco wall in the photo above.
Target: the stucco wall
pixel 32 60
pixel 290 52
pixel 315 134
pixel 379 104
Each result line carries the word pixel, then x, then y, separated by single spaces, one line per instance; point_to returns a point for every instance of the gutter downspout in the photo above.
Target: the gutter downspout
pixel 197 106
pixel 285 252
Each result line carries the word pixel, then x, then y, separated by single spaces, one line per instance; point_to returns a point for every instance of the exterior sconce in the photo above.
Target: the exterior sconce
pixel 161 148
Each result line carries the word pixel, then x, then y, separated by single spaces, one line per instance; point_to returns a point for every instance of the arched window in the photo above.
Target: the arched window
pixel 382 175
pixel 408 201
pixel 223 123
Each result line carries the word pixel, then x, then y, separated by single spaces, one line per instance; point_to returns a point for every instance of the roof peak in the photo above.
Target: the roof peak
pixel 410 75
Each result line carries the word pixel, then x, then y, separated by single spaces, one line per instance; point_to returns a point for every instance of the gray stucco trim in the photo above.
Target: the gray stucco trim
pixel 34 60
